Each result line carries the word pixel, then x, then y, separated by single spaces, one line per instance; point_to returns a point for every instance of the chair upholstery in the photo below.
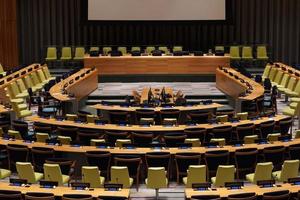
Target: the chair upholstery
pixel 51 54
pixel 101 159
pixel 79 53
pixel 10 195
pixel 91 175
pixel 25 171
pixel 183 161
pixel 39 196
pixel 52 172
pixel 120 175
pixel 263 171
pixel 235 53
pixel 66 53
pixel 245 160
pixel 195 174
pixel 247 53
pixel 289 169
pixel 261 52
pixel 225 173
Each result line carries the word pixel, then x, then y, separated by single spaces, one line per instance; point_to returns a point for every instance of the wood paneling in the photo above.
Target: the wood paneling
pixel 9 53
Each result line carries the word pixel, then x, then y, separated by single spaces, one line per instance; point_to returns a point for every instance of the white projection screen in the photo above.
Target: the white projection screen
pixel 156 10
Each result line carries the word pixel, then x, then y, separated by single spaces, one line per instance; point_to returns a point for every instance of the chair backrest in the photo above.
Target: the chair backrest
pixel 199 117
pixel 222 132
pixel 273 73
pixel 215 158
pixel 275 154
pixel 199 133
pixel 267 71
pixel 163 49
pixel 261 52
pixel 52 172
pixel 242 116
pixel 66 52
pixel 106 50
pixel 10 195
pixel 184 160
pixel 46 72
pixel 156 178
pixel 247 52
pixel 291 83
pixel 294 152
pixel 67 131
pixel 21 85
pixel 278 77
pixel 35 78
pixel 277 195
pixel 42 137
pixel 66 165
pixel 112 136
pixel 263 171
pixel 290 169
pixel 28 82
pixel 149 50
pixel 225 173
pixel 174 140
pixel 196 174
pixel 158 159
pixel 40 155
pixel 246 158
pixel 245 130
pixel 79 52
pixel 123 50
pixel 91 175
pixel 234 52
pixel 267 128
pixel 52 52
pixel 17 153
pixel 142 139
pixel 101 159
pixel 39 196
pixel 120 175
pixel 41 75
pixel 135 48
pixel 77 197
pixel 25 171
pixel 177 48
pixel 243 196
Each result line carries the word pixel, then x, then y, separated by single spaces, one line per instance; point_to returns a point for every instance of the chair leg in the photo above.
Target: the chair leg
pixel 156 194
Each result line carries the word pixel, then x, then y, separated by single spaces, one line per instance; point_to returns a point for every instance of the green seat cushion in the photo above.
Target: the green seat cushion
pixel 65 178
pixel 276 175
pixel 38 176
pixel 250 177
pixel 25 113
pixel 288 111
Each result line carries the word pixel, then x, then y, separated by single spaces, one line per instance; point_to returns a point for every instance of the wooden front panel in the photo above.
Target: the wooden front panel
pixel 9 52
pixel 126 65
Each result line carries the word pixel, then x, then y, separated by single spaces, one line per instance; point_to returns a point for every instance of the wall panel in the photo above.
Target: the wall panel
pixel 59 22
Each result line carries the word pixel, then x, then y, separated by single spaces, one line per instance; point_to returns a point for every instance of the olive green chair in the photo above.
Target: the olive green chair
pixel 66 54
pixel 278 78
pixel 51 54
pixel 219 48
pixel 289 169
pixel 194 141
pixel 42 77
pixel 42 137
pixel 284 81
pixel 135 49
pixel 29 84
pixel 65 140
pixel 47 73
pixel 4 173
pixel 195 174
pixel 242 116
pixel 247 53
pixel 123 50
pixel 120 175
pixel 35 80
pixel 222 118
pixel 94 142
pixel 273 137
pixel 22 86
pixel 25 171
pixel 2 70
pixel 79 53
pixel 71 117
pixel 52 172
pixel 149 50
pixel 94 49
pixel 14 91
pixel 91 118
pixel 164 49
pixel 120 142
pixel 266 72
pixel 290 86
pixel 261 53
pixel 295 92
pixel 91 175
pixel 263 171
pixel 220 141
pixel 156 179
pixel 235 53
pixel 106 50
pixel 21 113
pixel 273 73
pixel 177 48
pixel 225 173
pixel 250 139
pixel 14 134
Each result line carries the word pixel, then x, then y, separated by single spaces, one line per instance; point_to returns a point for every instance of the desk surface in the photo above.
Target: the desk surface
pixel 126 65
pixel 224 192
pixel 144 128
pixel 80 88
pixel 3 109
pixel 60 190
pixel 234 87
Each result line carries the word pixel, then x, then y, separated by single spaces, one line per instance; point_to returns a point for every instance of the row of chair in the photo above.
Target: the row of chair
pixel 247 53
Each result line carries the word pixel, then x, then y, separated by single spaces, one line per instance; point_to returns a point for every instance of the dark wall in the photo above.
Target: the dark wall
pixel 59 22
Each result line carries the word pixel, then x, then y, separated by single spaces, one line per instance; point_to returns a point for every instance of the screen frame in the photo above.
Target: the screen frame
pixel 228 16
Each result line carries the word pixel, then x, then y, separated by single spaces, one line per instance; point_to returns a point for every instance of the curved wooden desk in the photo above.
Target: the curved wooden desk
pixel 125 65
pixel 157 109
pixel 5 81
pixel 79 85
pixel 138 128
pixel 144 150
pixel 224 192
pixel 234 84
pixel 3 109
pixel 61 190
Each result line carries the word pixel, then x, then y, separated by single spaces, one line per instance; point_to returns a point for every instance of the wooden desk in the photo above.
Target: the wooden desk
pixel 156 128
pixel 233 87
pixel 223 192
pixel 79 88
pixel 128 65
pixel 144 150
pixel 18 74
pixel 157 109
pixel 3 109
pixel 60 190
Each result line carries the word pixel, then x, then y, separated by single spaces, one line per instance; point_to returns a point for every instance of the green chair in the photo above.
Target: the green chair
pixel 289 169
pixel 14 91
pixel 25 171
pixel 290 86
pixel 14 134
pixel 42 137
pixel 21 113
pixel 71 117
pixel 35 80
pixel 284 81
pixel 149 50
pixel 65 140
pixel 194 141
pixel 165 50
pixel 247 53
pixel 79 53
pixel 222 118
pixel 91 175
pixel 273 73
pixel 91 118
pixel 195 174
pixel 250 139
pixel 29 84
pixel 266 71
pixel 94 142
pixel 4 173
pixel 120 175
pixel 66 54
pixel 177 48
pixel 273 137
pixel 242 116
pixel 47 73
pixel 235 53
pixel 157 178
pixel 261 52
pixel 22 86
pixel 52 172
pixel 94 49
pixel 123 50
pixel 292 110
pixel 51 54
pixel 106 50
pixel 2 70
pixel 42 77
pixel 278 78
pixel 219 48
pixel 225 173
pixel 295 92
pixel 263 171
pixel 120 142
pixel 135 49
pixel 220 141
